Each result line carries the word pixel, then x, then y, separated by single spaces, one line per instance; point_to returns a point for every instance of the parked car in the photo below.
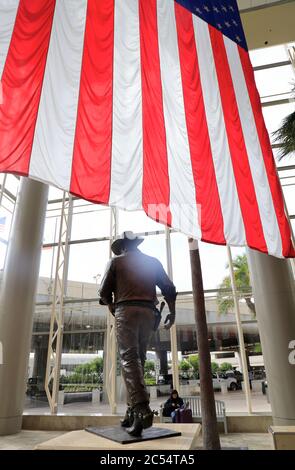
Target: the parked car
pixel 219 378
pixel 35 387
pixel 264 387
pixel 236 375
pixel 165 379
pixel 222 378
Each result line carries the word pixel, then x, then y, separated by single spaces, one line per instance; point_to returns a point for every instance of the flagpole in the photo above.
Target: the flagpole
pixel 240 331
pixel 209 422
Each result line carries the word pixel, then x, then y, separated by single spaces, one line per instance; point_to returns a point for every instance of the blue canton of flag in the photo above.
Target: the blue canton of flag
pixel 223 15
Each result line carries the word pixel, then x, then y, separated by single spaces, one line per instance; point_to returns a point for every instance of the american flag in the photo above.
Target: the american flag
pixel 142 104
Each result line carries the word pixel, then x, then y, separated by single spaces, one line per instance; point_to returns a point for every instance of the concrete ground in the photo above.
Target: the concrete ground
pixel 235 402
pixel 27 440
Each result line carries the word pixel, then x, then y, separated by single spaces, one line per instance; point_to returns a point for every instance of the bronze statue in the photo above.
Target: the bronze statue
pixel 129 290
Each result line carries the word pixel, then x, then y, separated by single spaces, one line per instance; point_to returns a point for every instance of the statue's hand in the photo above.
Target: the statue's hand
pixel 169 321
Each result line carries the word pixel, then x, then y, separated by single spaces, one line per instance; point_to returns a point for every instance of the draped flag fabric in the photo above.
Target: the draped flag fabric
pixel 142 104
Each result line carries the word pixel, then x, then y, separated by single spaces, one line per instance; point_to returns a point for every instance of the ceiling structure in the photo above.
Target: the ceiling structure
pixel 254 4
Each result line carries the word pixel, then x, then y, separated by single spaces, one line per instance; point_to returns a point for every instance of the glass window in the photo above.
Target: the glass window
pixel 91 223
pixel 54 193
pixel 88 261
pixel 154 245
pixel 289 197
pixel 137 221
pixel 48 261
pixel 51 230
pixel 273 116
pixel 12 184
pixel 214 260
pixel 274 81
pixel 268 55
pixel 181 262
pixel 5 225
pixel 288 160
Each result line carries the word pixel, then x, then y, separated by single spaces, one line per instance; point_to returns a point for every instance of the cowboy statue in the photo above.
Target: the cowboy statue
pixel 129 290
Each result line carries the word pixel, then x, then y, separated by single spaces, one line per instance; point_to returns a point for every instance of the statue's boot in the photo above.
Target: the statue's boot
pixel 142 419
pixel 127 421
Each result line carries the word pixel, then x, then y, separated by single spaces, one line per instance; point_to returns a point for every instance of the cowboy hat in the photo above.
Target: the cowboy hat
pixel 125 239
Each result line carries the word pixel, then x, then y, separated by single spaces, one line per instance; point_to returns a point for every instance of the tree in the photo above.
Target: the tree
pixel 90 372
pixel 258 348
pixel 225 366
pixel 214 367
pixel 149 367
pixel 194 362
pixel 184 365
pixel 92 367
pixel 285 135
pixel 242 277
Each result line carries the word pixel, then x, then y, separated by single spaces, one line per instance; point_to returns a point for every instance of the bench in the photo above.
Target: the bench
pixel 194 403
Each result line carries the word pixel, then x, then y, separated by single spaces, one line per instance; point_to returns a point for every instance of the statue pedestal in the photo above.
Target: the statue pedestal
pixel 83 440
pixel 118 434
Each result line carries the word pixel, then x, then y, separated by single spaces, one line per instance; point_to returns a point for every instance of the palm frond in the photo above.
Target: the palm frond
pixel 285 136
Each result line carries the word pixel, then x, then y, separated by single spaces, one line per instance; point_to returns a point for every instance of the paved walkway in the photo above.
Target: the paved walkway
pixel 235 402
pixel 27 440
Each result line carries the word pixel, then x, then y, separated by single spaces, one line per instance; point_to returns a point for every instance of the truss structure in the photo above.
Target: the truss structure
pixel 57 311
pixel 111 344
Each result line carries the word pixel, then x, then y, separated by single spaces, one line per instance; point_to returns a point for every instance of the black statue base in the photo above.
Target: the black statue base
pixel 118 434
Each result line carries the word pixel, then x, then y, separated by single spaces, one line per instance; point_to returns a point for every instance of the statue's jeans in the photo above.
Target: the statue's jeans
pixel 134 326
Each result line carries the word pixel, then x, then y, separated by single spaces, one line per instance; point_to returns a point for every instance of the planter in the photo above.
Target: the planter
pixel 152 391
pixel 96 396
pixel 61 397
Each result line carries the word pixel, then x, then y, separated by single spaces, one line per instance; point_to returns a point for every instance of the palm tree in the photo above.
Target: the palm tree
pixel 285 135
pixel 242 277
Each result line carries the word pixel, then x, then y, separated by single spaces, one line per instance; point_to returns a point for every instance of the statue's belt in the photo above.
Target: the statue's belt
pixel 144 303
pixel 136 303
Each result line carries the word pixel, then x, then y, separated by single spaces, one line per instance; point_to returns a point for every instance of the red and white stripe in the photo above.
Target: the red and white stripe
pixel 140 104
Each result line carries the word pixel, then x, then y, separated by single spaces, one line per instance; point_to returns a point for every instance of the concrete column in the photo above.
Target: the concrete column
pixel 40 358
pixel 274 293
pixel 162 356
pixel 105 345
pixel 17 300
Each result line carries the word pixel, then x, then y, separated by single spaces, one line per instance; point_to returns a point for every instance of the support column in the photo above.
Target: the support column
pixel 40 358
pixel 274 293
pixel 105 346
pixel 243 353
pixel 173 332
pixel 17 300
pixel 162 356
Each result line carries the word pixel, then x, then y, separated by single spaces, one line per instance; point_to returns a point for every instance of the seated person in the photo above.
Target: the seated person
pixel 172 404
